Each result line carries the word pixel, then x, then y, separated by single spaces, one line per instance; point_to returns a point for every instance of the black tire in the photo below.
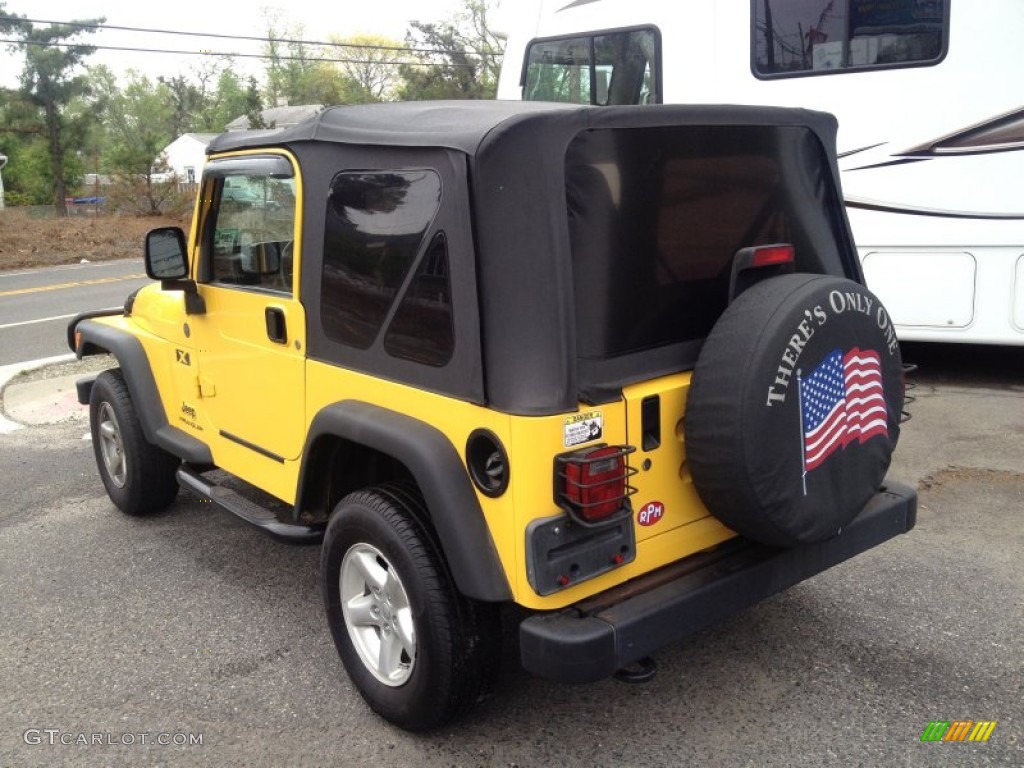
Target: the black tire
pixel 140 478
pixel 757 461
pixel 450 658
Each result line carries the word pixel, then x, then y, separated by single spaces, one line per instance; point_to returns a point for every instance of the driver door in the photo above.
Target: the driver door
pixel 250 341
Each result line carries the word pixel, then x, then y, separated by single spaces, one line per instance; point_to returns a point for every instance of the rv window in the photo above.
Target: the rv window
pixel 811 37
pixel 616 67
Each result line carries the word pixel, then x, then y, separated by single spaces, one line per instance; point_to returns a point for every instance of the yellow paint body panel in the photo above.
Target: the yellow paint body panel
pixel 252 401
pixel 327 384
pixel 531 443
pixel 686 527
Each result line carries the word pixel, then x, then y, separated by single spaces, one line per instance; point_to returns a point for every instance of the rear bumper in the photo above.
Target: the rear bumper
pixel 592 640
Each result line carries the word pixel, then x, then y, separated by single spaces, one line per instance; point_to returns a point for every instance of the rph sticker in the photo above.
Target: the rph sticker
pixel 650 513
pixel 582 428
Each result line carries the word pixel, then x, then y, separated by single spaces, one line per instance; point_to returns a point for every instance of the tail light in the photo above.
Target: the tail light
pixel 751 265
pixel 592 485
pixel 767 255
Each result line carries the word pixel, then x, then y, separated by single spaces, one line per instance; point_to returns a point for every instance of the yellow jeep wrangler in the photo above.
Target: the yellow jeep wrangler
pixel 615 366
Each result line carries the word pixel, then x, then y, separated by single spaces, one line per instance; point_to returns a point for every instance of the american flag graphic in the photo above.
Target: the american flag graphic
pixel 841 402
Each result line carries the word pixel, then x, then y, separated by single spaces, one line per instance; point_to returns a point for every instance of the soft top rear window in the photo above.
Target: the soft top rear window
pixel 656 216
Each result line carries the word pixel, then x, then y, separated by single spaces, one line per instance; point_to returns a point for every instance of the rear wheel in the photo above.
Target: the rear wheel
pixel 419 652
pixel 139 476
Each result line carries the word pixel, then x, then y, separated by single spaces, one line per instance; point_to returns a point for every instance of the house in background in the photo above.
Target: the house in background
pixel 282 116
pixel 186 155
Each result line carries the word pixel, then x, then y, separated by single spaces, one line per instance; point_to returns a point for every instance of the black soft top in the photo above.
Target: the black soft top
pixel 468 126
pixel 552 257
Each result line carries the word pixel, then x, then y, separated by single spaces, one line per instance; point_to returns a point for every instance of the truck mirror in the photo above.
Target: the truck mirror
pixel 165 254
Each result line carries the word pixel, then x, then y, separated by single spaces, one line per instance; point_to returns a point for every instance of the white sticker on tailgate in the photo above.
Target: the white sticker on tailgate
pixel 583 427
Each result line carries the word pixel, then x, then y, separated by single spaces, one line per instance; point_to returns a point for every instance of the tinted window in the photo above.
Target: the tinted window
pixel 607 68
pixel 657 215
pixel 375 226
pixel 796 37
pixel 249 236
pixel 422 327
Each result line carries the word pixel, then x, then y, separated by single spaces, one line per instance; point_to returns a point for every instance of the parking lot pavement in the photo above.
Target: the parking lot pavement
pixel 968 412
pixel 191 624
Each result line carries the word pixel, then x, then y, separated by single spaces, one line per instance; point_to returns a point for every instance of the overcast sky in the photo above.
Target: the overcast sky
pixel 233 17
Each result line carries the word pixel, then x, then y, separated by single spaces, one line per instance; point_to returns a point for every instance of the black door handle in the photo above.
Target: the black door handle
pixel 277 329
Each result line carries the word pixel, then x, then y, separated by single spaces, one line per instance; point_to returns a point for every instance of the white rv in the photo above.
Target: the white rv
pixel 930 100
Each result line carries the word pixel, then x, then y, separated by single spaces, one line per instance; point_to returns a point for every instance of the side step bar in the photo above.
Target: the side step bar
pixel 252 513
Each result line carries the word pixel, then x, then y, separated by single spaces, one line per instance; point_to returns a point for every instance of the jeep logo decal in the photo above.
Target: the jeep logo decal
pixel 650 513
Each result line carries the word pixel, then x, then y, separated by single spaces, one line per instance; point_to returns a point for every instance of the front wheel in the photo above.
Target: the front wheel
pixel 139 477
pixel 419 652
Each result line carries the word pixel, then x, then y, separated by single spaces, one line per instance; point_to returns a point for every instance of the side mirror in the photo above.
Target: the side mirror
pixel 166 254
pixel 166 261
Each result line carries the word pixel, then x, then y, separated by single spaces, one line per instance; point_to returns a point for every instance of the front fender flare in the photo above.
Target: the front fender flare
pixel 442 478
pixel 134 363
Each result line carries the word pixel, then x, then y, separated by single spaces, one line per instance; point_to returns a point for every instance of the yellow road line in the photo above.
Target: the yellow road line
pixel 76 284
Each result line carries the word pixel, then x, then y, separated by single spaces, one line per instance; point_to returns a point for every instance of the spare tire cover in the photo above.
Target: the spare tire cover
pixel 794 408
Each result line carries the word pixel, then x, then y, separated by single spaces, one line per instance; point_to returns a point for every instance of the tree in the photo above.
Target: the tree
pixel 466 61
pixel 295 73
pixel 27 174
pixel 254 104
pixel 49 82
pixel 189 102
pixel 370 72
pixel 139 120
pixel 225 100
pixel 9 22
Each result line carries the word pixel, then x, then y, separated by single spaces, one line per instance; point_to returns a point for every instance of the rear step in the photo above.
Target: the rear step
pixel 253 513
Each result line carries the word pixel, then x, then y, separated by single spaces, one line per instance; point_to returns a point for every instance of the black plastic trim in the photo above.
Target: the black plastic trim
pixel 131 357
pixel 252 446
pixel 83 388
pixel 650 422
pixel 441 476
pixel 560 553
pixel 73 324
pixel 252 513
pixel 583 644
pixel 476 462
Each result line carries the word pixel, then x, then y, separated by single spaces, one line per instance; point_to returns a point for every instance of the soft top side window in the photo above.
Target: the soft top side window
pixel 376 228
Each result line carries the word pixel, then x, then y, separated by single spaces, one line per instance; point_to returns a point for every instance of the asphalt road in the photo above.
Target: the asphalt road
pixel 35 305
pixel 192 625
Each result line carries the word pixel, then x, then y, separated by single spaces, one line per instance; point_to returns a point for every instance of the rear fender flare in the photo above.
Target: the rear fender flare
pixel 438 470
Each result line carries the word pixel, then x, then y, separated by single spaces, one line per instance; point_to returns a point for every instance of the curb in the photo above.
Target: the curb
pixel 8 372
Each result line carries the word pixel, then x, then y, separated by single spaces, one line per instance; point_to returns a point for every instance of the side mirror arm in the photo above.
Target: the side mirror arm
pixel 194 303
